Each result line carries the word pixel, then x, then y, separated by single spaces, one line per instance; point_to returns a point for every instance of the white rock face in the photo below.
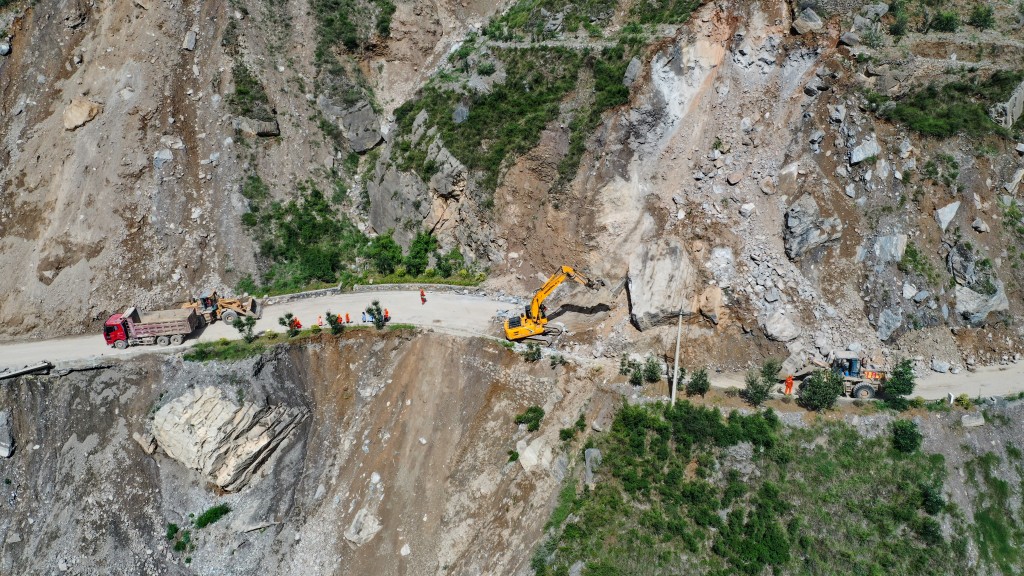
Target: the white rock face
pixel 866 150
pixel 205 430
pixel 661 283
pixel 6 436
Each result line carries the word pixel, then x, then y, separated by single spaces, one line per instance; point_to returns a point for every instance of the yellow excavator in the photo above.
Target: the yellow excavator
pixel 533 322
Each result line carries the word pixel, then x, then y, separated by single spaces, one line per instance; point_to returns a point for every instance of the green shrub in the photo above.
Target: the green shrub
pixel 905 436
pixel 758 388
pixel 448 263
pixel 946 21
pixel 337 326
pixel 212 515
pixel 172 531
pixel 513 455
pixel 982 17
pixel 699 383
pixel 385 253
pixel 183 541
pixel 531 417
pixel 376 314
pixel 652 370
pixel 964 401
pixel 820 390
pixel 486 68
pixel 567 434
pixel 532 353
pixel 245 326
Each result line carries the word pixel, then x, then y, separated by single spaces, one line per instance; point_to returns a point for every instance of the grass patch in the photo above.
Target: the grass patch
pixel 958 107
pixel 531 417
pixel 825 500
pixel 915 262
pixel 225 349
pixel 212 515
pixel 530 18
pixel 997 530
pixel 250 97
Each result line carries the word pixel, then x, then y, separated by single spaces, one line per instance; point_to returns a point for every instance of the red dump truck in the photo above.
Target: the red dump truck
pixel 162 327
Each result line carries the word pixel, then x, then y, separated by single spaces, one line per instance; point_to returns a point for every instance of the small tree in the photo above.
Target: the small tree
pixel 419 253
pixel 290 323
pixel 337 326
pixel 901 381
pixel 820 390
pixel 376 314
pixel 652 370
pixel 384 253
pixel 532 353
pixel 946 21
pixel 245 327
pixel 758 388
pixel 905 436
pixel 449 263
pixel 699 383
pixel 770 370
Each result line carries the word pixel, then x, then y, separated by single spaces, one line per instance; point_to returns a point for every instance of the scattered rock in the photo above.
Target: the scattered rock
pixel 806 229
pixel 921 296
pixel 747 209
pixel 909 290
pixel 406 550
pixel 632 71
pixel 146 440
pixel 190 41
pixel 837 113
pixel 363 528
pixel 461 113
pixel 972 420
pixel 974 307
pixel 945 215
pixel 874 11
pixel 787 179
pixel 79 112
pixel 940 366
pixel 809 21
pixel 359 124
pixel 777 326
pixel 888 323
pixel 767 185
pixel 252 127
pixel 5 48
pixel 592 457
pixel 734 178
pixel 849 39
pixel 1020 147
pixel 162 157
pixel 6 434
pixel 867 149
pixel 711 303
pixel 890 248
pixel 979 225
pixel 206 430
pixel 771 295
pixel 851 190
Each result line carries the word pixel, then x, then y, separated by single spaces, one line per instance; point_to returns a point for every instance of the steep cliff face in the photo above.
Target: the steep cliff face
pixel 400 465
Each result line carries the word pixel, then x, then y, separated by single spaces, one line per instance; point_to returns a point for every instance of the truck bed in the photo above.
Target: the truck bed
pixel 174 315
pixel 162 322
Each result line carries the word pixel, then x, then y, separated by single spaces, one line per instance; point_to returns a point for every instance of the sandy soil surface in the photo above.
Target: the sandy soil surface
pixel 463 315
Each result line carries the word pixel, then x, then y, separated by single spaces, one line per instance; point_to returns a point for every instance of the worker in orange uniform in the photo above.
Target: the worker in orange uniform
pixel 387 315
pixel 347 320
pixel 789 385
pixel 340 319
pixel 423 296
pixel 297 324
pixel 320 321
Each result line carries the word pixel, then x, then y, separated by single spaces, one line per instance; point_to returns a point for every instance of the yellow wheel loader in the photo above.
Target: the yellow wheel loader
pixel 212 307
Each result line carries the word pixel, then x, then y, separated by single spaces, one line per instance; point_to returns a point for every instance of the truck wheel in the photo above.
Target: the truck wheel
pixel 163 340
pixel 229 317
pixel 177 339
pixel 120 344
pixel 863 391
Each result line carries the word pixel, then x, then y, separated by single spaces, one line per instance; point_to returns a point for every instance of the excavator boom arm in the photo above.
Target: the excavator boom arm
pixel 554 282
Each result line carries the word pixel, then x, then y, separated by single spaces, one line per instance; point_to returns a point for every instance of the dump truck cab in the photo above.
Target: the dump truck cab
pixel 114 331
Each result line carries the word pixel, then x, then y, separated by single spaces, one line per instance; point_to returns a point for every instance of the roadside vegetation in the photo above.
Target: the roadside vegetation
pixel 685 489
pixel 308 244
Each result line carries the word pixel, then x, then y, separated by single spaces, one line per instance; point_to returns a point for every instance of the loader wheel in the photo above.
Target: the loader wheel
pixel 229 317
pixel 177 339
pixel 863 391
pixel 120 344
pixel 163 340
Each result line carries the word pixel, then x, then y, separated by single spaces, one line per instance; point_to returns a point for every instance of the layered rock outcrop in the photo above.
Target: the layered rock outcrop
pixel 227 441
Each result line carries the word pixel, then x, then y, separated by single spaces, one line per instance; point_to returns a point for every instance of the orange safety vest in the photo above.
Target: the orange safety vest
pixel 347 321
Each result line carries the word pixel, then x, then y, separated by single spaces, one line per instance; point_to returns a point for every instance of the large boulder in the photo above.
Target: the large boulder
pixel 661 283
pixel 6 435
pixel 868 149
pixel 358 123
pixel 806 229
pixel 888 322
pixel 205 430
pixel 945 214
pixel 808 21
pixel 975 308
pixel 777 326
pixel 79 112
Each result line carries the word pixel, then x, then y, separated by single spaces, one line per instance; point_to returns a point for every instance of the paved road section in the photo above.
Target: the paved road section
pixel 460 314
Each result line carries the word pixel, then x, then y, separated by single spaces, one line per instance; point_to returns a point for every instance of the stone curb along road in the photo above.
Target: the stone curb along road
pixel 458 314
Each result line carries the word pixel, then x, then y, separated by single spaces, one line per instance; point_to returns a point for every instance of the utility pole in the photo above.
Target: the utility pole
pixel 675 363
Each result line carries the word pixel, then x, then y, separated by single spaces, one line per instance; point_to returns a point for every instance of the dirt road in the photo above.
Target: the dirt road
pixel 451 313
